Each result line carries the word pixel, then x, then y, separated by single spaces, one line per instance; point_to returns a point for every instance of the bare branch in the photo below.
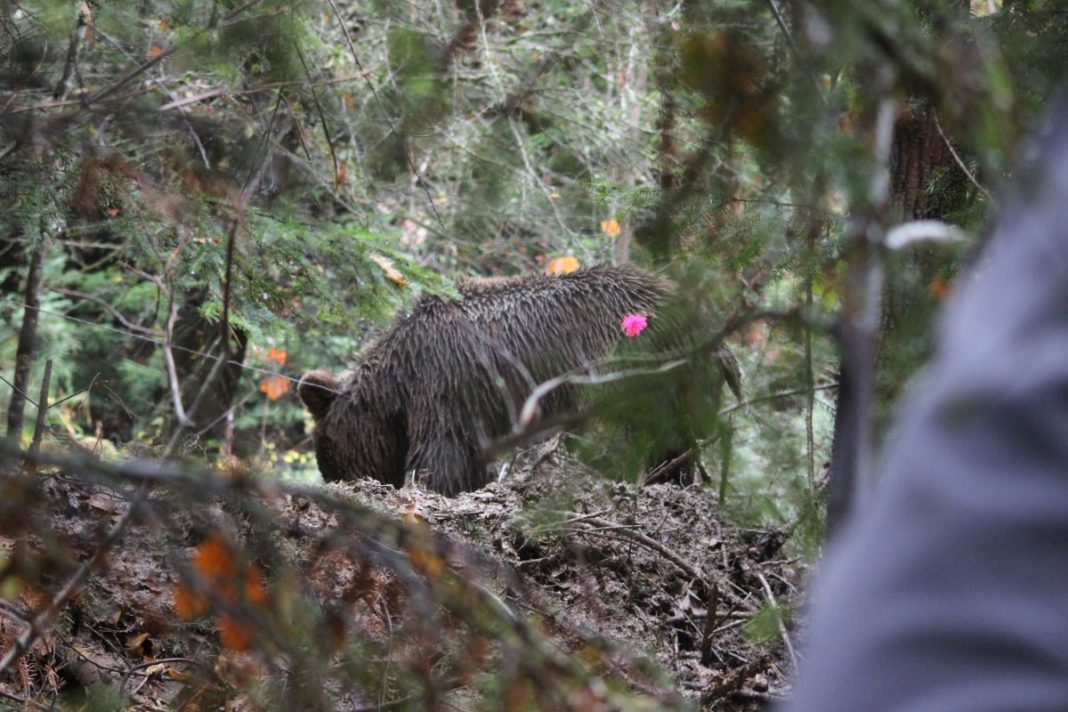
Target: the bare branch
pixel 526 414
pixel 774 605
pixel 389 119
pixel 778 394
pixel 172 369
pixel 70 67
pixel 104 304
pixel 960 163
pixel 42 413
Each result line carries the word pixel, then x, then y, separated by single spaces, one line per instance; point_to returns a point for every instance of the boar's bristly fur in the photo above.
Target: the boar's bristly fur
pixel 453 373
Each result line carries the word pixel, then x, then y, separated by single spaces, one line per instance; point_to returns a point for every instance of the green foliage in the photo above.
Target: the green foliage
pixel 763 628
pixel 299 172
pixel 106 698
pixel 484 139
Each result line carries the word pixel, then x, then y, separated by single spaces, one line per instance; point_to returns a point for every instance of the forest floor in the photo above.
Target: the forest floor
pixel 651 573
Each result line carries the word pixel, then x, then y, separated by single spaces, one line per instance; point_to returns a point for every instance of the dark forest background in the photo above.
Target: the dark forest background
pixel 205 198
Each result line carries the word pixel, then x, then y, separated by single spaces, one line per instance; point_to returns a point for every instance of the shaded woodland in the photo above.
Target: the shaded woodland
pixel 206 199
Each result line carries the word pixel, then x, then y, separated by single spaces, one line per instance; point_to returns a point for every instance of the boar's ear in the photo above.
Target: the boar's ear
pixel 317 390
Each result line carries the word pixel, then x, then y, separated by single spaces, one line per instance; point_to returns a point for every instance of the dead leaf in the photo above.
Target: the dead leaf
pixel 274 386
pixel 188 604
pixel 392 273
pixel 562 265
pixel 235 634
pixel 215 561
pixel 134 642
pixel 610 227
pixel 940 288
pixel 213 558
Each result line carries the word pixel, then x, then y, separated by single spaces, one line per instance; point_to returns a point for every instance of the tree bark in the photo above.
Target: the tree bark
pixel 27 344
pixel 919 157
pixel 207 393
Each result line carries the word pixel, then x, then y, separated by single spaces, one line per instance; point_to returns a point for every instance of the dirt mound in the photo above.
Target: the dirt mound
pixel 554 589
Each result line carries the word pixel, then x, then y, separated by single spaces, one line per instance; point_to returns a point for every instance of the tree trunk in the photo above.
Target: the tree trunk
pixel 927 184
pixel 207 400
pixel 27 344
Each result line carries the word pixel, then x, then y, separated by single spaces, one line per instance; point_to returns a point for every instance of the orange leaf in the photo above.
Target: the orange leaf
pixel 111 212
pixel 235 634
pixel 423 554
pixel 155 51
pixel 562 265
pixel 274 386
pixel 213 558
pixel 392 273
pixel 610 227
pixel 188 603
pixel 426 562
pixel 939 288
pixel 277 355
pixel 255 591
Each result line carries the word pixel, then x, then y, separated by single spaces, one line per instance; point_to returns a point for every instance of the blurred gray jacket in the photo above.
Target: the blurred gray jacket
pixel 950 591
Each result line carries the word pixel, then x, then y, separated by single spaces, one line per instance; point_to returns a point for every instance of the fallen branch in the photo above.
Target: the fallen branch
pixel 595 523
pixel 778 619
pixel 733 680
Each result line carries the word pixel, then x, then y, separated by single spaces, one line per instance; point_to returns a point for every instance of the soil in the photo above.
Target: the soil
pixel 637 573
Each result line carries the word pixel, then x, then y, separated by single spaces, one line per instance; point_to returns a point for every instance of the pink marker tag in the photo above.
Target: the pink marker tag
pixel 634 324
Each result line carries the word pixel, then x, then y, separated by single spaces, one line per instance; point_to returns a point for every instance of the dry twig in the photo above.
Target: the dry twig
pixel 778 619
pixel 733 680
